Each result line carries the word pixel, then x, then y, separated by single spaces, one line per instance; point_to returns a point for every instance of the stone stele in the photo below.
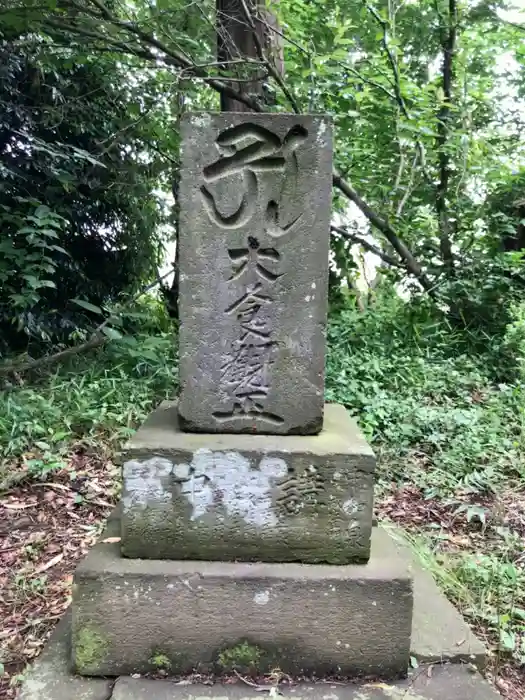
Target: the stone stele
pixel 248 497
pixel 255 202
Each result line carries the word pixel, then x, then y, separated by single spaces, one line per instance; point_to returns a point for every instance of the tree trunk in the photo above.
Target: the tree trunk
pixel 448 44
pixel 235 42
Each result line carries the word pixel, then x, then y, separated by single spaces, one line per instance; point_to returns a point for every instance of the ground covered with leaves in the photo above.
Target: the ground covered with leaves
pixel 445 421
pixel 46 528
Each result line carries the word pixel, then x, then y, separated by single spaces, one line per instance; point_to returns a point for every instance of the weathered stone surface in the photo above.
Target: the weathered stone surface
pixel 248 498
pixel 51 678
pixel 132 615
pixel 255 201
pixel 436 683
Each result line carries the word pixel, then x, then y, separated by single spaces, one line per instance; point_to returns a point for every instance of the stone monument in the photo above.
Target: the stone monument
pixel 246 517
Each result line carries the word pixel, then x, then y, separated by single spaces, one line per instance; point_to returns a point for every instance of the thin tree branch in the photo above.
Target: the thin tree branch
pixel 391 58
pixel 370 247
pixel 396 81
pixel 217 84
pixel 408 188
pixel 411 264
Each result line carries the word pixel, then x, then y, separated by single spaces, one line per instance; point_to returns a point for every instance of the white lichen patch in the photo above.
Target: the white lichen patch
pixel 261 598
pixel 227 478
pixel 350 507
pixel 146 482
pixel 201 120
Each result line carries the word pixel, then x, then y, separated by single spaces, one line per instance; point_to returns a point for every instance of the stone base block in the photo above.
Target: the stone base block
pixel 51 678
pixel 248 497
pixel 132 616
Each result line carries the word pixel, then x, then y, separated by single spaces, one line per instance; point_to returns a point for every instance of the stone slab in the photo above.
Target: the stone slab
pixel 255 204
pixel 307 619
pixel 439 631
pixel 446 682
pixel 248 498
pixel 50 677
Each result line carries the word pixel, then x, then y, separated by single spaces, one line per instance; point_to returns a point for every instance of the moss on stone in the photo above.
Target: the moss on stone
pixel 90 648
pixel 160 661
pixel 243 657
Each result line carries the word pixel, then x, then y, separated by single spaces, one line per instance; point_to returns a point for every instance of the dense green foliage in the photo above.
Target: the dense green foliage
pixel 78 210
pixel 427 100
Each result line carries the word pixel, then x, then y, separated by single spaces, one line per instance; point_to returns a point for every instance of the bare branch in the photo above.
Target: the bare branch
pixel 411 264
pixel 391 58
pixel 448 44
pixel 408 188
pixel 396 80
pixel 370 247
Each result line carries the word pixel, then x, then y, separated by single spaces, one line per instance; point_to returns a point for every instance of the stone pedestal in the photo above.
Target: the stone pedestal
pixel 211 527
pixel 134 615
pixel 246 519
pixel 248 498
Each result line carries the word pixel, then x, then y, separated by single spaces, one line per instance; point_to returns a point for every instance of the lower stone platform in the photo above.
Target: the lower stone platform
pixel 130 615
pixel 440 641
pixel 427 683
pixel 50 678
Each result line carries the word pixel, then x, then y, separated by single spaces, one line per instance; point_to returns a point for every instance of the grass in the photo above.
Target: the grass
pixel 444 412
pixel 102 397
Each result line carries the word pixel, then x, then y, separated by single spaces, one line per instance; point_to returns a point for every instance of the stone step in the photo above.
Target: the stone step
pixel 444 682
pixel 307 619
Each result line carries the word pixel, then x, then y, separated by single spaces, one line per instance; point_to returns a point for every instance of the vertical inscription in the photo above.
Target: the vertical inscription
pixel 252 151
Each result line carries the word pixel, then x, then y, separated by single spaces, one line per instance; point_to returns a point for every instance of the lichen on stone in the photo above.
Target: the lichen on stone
pixel 90 648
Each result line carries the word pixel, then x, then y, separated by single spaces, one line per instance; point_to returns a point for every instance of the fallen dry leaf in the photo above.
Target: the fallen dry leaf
pixel 52 562
pixel 111 540
pixel 18 506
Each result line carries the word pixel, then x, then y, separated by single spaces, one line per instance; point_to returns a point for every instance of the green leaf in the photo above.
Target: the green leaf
pixel 88 306
pixel 59 249
pixel 507 640
pixel 33 281
pixel 42 211
pixel 112 333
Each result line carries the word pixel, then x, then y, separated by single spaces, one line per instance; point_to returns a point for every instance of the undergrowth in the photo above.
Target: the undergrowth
pixel 444 410
pixel 101 396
